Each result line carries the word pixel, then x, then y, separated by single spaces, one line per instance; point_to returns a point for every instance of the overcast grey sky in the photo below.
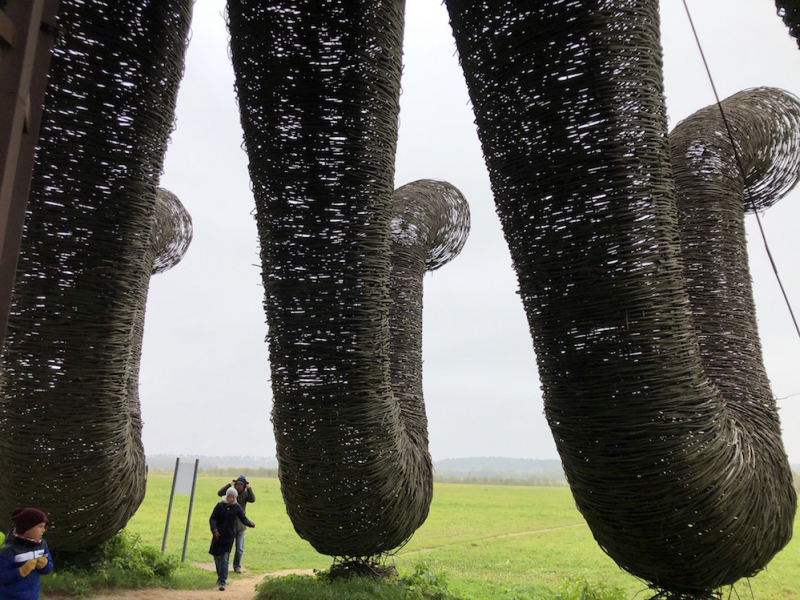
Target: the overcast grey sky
pixel 205 368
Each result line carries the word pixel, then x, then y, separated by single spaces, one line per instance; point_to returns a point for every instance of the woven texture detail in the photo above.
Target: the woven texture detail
pixel 674 457
pixel 69 408
pixel 318 86
pixel 789 11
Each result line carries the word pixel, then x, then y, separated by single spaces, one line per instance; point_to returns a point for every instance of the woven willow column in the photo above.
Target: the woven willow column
pixel 318 86
pixel 712 200
pixel 429 228
pixel 570 111
pixel 69 414
pixel 170 235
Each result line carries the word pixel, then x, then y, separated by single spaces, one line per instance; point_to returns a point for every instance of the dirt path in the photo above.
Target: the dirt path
pixel 242 587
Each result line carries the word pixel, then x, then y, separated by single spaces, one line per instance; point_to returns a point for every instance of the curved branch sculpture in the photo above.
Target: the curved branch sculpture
pixel 681 477
pixel 789 10
pixel 429 228
pixel 634 283
pixel 171 232
pixel 170 235
pixel 318 93
pixel 69 408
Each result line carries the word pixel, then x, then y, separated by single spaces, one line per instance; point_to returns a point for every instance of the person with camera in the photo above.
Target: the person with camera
pixel 246 494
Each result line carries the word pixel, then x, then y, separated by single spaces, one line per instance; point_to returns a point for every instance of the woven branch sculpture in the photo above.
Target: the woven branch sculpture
pixel 664 422
pixel 318 93
pixel 789 10
pixel 69 409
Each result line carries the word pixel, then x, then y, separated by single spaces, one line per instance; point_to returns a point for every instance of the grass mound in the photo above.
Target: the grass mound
pixel 331 584
pixel 347 568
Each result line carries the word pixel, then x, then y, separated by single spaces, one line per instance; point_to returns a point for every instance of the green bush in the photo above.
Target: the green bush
pixel 581 590
pixel 424 585
pixel 421 585
pixel 122 561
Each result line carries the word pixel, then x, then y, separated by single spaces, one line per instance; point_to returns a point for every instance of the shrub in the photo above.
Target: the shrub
pixel 424 585
pixel 421 585
pixel 582 590
pixel 122 561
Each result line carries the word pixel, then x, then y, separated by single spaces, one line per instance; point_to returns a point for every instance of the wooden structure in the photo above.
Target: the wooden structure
pixel 27 32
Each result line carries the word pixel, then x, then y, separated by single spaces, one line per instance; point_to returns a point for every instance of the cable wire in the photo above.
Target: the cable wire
pixel 741 168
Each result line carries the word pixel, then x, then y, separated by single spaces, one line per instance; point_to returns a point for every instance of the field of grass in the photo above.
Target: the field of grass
pixel 498 542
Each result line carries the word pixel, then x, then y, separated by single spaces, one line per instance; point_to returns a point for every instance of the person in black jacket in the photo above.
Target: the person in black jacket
pixel 223 529
pixel 246 495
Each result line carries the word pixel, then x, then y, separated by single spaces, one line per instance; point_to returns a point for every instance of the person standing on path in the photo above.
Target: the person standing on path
pixel 227 513
pixel 246 495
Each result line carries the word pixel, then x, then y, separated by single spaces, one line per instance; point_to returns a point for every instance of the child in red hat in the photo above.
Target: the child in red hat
pixel 24 556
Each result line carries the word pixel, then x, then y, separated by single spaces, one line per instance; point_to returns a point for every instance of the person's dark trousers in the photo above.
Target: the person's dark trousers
pixel 237 556
pixel 222 568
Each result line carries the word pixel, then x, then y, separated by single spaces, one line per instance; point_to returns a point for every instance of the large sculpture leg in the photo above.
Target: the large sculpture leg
pixel 69 411
pixel 318 87
pixel 671 478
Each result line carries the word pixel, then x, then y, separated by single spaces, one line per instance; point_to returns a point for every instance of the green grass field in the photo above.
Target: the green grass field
pixel 492 542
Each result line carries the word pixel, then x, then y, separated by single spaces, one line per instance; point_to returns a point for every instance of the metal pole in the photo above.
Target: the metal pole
pixel 26 39
pixel 171 496
pixel 191 501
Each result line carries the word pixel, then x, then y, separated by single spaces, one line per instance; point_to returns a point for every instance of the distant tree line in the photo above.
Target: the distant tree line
pixel 226 473
pixel 532 481
pixel 167 461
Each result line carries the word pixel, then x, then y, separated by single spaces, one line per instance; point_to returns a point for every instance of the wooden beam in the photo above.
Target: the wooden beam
pixel 8 33
pixel 23 80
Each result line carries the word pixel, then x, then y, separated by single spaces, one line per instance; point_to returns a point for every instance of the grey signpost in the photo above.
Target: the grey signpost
pixel 183 482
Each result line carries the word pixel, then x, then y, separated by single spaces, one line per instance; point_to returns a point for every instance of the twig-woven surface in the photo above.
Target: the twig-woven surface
pixel 171 232
pixel 318 87
pixel 789 10
pixel 69 412
pixel 429 228
pixel 756 502
pixel 682 479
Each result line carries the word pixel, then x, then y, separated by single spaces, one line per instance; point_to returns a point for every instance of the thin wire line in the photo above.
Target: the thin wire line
pixel 741 169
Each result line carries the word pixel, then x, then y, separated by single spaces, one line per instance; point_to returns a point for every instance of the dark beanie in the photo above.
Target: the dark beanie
pixel 25 518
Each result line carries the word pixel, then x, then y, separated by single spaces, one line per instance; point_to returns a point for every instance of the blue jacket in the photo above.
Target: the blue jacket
pixel 13 555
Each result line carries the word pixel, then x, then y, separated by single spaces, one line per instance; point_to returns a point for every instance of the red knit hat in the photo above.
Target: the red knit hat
pixel 25 518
